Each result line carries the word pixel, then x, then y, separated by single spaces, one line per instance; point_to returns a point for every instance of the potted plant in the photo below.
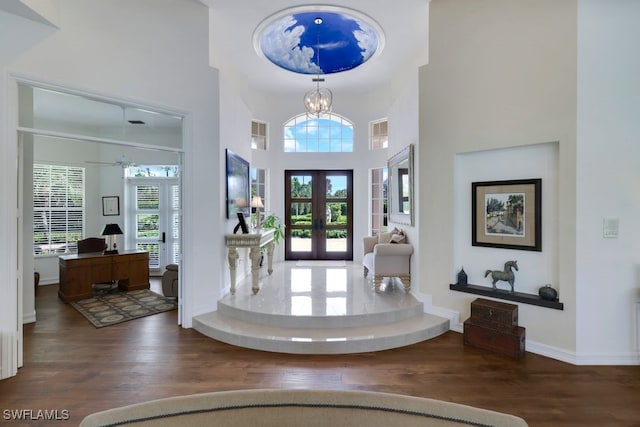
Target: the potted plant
pixel 273 221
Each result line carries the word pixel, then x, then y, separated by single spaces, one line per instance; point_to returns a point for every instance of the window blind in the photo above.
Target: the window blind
pixel 58 208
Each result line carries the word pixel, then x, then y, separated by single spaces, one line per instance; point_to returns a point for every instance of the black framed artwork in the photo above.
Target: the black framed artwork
pixel 237 194
pixel 110 206
pixel 507 214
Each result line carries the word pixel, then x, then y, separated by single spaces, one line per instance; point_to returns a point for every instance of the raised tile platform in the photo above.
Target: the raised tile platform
pixel 319 310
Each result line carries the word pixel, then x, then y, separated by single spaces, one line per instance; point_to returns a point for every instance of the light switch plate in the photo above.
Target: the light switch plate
pixel 610 228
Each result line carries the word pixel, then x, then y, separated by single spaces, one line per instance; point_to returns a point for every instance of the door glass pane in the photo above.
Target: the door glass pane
pixel 301 214
pixel 336 221
pixel 147 226
pixel 302 220
pixel 336 214
pixel 337 186
pixel 147 197
pixel 301 186
pixel 336 240
pixel 300 240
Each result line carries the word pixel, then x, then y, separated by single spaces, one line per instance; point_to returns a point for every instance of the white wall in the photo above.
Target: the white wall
pixel 608 176
pixel 403 130
pixel 235 134
pixel 500 76
pixel 135 52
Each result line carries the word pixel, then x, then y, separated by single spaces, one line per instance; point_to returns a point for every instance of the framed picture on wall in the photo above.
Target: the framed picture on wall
pixel 110 206
pixel 507 214
pixel 238 185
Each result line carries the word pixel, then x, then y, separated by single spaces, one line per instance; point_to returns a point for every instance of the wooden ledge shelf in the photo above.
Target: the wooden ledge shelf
pixel 508 295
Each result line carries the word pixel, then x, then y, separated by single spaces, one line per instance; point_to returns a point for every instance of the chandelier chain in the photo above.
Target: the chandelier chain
pixel 318 101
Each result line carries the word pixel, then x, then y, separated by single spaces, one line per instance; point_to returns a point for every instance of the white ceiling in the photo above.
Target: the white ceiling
pixel 404 23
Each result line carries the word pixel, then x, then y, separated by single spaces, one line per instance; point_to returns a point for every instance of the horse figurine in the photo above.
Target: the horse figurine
pixel 506 275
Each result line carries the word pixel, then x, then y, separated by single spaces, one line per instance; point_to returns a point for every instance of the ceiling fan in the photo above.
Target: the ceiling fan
pixel 123 162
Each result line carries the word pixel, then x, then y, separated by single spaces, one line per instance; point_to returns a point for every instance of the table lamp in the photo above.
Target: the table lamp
pixel 109 231
pixel 256 202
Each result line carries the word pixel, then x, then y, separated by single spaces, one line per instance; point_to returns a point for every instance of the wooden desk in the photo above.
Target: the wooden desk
pixel 79 271
pixel 254 241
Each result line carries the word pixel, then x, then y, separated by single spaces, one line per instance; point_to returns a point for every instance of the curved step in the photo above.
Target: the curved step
pixel 357 339
pixel 319 310
pixel 378 311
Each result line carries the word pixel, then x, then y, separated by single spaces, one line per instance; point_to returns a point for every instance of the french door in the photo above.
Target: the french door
pixel 319 215
pixel 153 223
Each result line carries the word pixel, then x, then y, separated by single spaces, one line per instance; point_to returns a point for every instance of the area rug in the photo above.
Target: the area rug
pixel 297 407
pixel 110 309
pixel 321 263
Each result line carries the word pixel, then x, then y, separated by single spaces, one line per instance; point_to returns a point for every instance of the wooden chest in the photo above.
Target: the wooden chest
pixel 506 341
pixel 494 314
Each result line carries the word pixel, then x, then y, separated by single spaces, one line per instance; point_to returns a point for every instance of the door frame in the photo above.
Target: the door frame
pixel 164 211
pixel 318 227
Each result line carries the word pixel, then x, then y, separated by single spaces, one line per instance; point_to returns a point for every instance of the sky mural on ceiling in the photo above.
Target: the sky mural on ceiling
pixel 291 42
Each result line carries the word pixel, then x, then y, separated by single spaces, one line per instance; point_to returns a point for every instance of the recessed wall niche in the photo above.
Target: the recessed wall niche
pixel 529 161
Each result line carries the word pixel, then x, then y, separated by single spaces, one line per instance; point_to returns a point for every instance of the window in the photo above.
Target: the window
pixel 258 135
pixel 58 208
pixel 378 200
pixel 258 178
pixel 327 133
pixel 379 134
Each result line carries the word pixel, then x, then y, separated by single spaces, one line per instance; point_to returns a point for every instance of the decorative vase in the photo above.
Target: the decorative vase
pixel 548 293
pixel 462 277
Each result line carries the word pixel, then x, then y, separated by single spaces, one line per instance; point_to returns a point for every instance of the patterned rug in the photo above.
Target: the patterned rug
pixel 110 309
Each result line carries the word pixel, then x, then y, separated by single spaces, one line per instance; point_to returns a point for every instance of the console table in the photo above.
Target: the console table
pixel 254 241
pixel 79 271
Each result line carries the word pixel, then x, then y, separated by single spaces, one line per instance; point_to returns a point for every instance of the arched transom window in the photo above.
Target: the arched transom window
pixel 324 134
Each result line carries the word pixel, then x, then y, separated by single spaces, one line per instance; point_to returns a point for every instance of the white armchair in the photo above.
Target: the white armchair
pixel 387 255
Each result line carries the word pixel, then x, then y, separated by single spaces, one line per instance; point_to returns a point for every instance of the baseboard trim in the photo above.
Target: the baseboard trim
pixel 29 317
pixel 452 315
pixel 429 308
pixel 573 358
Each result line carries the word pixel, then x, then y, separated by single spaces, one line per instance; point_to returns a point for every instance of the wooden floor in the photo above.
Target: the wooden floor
pixel 69 365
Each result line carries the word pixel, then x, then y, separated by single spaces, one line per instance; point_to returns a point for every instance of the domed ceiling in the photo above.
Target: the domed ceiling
pixel 318 41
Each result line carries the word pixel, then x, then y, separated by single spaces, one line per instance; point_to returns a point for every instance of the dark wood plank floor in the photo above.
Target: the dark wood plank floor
pixel 70 365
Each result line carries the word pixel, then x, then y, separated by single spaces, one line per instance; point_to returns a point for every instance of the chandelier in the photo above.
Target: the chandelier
pixel 318 101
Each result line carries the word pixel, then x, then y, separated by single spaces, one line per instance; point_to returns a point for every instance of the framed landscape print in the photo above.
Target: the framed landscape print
pixel 507 214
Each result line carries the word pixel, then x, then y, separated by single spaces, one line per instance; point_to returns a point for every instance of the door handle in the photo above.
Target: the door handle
pixel 164 238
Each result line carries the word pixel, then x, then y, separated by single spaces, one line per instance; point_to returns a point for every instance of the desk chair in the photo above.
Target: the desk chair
pixel 93 245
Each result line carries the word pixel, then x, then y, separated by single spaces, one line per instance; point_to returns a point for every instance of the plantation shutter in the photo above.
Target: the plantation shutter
pixel 147 222
pixel 58 208
pixel 175 219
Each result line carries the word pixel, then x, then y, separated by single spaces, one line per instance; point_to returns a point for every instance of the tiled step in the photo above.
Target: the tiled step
pixel 297 340
pixel 319 310
pixel 378 312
